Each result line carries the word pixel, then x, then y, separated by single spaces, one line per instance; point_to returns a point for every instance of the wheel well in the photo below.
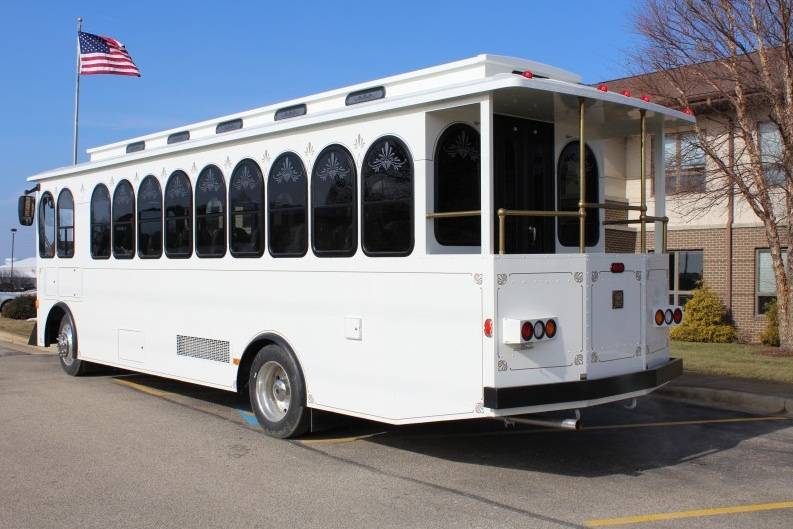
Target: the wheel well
pixel 53 322
pixel 244 370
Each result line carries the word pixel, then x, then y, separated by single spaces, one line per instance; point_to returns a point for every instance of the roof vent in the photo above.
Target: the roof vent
pixel 367 94
pixel 136 147
pixel 176 137
pixel 290 112
pixel 228 126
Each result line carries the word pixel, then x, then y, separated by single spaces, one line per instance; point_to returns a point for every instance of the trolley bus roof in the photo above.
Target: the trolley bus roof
pixel 551 91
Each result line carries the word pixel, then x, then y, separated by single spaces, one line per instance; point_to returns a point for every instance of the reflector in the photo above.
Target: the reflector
pixel 488 327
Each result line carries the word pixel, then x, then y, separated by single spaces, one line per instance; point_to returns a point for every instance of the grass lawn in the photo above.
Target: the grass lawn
pixel 20 328
pixel 736 360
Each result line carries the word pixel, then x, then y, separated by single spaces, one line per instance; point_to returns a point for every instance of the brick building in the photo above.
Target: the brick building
pixel 723 246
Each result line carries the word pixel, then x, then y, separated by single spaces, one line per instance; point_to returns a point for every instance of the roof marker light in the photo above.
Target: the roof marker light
pixel 626 93
pixel 528 74
pixel 646 98
pixel 688 111
pixel 603 87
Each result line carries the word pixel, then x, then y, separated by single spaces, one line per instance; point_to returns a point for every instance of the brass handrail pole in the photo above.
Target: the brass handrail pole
pixel 643 180
pixel 502 237
pixel 581 178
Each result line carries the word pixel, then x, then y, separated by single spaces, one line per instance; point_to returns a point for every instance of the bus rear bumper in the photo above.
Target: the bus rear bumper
pixel 591 391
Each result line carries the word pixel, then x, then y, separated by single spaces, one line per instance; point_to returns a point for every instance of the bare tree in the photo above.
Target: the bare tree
pixel 731 61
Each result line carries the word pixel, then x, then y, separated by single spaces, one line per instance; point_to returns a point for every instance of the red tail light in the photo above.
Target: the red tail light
pixel 489 328
pixel 526 331
pixel 617 268
pixel 677 315
pixel 527 74
pixel 603 87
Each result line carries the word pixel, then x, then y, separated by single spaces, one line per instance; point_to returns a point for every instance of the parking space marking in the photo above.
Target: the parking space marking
pixel 660 517
pixel 248 417
pixel 339 440
pixel 140 387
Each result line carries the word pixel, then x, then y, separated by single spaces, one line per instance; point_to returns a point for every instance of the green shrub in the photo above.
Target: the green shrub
pixel 20 308
pixel 770 336
pixel 704 320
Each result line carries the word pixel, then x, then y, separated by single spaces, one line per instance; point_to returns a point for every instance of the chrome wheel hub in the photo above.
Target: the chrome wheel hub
pixel 273 391
pixel 66 344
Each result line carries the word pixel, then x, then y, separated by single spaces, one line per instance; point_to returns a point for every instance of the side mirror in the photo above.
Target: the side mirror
pixel 27 209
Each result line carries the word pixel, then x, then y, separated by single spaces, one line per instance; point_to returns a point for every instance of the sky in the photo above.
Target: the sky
pixel 201 60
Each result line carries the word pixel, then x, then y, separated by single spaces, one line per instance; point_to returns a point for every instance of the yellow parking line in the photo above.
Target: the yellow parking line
pixel 338 440
pixel 139 387
pixel 736 509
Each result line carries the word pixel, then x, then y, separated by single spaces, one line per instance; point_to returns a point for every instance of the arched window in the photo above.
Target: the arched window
pixel 457 185
pixel 100 222
pixel 246 210
pixel 387 175
pixel 47 226
pixel 179 216
pixel 210 212
pixel 333 199
pixel 65 224
pixel 569 194
pixel 124 221
pixel 149 219
pixel 287 198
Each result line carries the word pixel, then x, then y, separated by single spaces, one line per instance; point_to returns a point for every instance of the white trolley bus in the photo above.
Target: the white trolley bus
pixel 424 247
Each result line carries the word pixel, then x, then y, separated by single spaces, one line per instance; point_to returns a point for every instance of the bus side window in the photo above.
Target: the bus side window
pixel 287 198
pixel 387 175
pixel 210 213
pixel 149 219
pixel 47 226
pixel 124 221
pixel 457 185
pixel 178 216
pixel 246 210
pixel 65 224
pixel 333 201
pixel 100 222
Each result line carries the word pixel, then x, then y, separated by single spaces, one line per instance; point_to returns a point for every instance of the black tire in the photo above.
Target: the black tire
pixel 67 347
pixel 282 418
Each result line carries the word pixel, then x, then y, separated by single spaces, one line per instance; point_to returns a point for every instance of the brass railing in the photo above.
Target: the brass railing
pixel 583 205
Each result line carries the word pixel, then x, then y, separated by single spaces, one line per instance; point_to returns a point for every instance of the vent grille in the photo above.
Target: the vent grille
pixel 205 348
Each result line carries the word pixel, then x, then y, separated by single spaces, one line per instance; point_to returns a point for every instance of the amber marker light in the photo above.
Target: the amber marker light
pixel 550 328
pixel 659 317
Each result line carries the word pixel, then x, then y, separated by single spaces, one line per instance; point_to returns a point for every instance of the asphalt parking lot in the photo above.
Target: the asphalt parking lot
pixel 122 450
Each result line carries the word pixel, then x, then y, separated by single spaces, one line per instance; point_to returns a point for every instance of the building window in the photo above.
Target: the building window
pixel 287 196
pixel 457 185
pixel 100 222
pixel 65 224
pixel 684 160
pixel 770 141
pixel 47 226
pixel 210 213
pixel 333 198
pixel 124 221
pixel 387 175
pixel 570 194
pixel 765 281
pixel 178 216
pixel 246 208
pixel 150 219
pixel 685 275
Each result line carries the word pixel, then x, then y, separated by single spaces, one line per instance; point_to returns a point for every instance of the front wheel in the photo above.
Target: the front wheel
pixel 278 393
pixel 67 347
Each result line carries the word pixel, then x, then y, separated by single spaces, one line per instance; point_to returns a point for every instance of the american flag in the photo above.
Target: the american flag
pixel 106 55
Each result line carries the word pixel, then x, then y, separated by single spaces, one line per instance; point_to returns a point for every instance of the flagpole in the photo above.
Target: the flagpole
pixel 77 91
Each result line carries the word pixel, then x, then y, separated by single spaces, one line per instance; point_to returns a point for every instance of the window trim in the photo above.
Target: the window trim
pixel 223 215
pixel 306 208
pixel 353 204
pixel 64 255
pixel 261 213
pixel 42 228
pixel 412 199
pixel 132 222
pixel 190 218
pixel 140 223
pixel 94 223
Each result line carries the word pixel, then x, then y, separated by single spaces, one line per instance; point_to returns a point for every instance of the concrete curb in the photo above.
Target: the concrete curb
pixel 730 399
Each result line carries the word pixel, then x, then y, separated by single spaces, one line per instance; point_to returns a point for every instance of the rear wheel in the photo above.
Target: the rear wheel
pixel 278 392
pixel 67 347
